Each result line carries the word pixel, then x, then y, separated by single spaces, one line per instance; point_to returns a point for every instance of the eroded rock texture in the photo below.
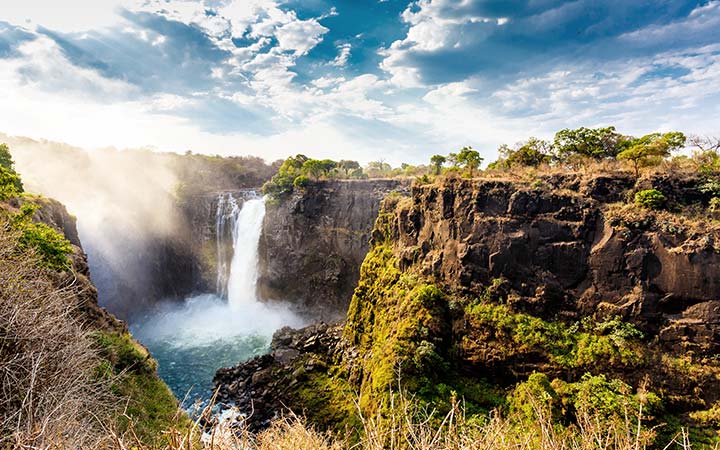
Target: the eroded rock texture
pixel 314 242
pixel 568 252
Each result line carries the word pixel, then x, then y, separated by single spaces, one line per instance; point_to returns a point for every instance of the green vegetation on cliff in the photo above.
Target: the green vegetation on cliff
pixel 72 376
pixel 151 407
pixel 10 184
pixel 52 247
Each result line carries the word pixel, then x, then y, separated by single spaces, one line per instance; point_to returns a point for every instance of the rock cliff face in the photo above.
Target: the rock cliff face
pixel 471 286
pixel 53 213
pixel 314 242
pixel 567 251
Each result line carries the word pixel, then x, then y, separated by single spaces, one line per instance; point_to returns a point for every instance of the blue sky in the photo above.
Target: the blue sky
pixel 392 80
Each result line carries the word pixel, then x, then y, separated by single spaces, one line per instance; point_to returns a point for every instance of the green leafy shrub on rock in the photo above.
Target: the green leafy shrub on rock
pixel 51 245
pixel 10 184
pixel 301 181
pixel 650 198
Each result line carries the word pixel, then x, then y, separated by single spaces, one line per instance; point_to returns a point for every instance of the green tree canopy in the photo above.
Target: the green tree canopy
pixel 595 143
pixel 533 153
pixel 317 168
pixel 437 162
pixel 651 147
pixel 469 159
pixel 377 169
pixel 348 166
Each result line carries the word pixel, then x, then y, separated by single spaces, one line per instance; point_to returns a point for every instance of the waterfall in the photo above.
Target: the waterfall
pixel 226 216
pixel 238 282
pixel 208 331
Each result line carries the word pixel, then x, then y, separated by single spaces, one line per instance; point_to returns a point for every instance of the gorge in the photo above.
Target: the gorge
pixel 194 338
pixel 334 300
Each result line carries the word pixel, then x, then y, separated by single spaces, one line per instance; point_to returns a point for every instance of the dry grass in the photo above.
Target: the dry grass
pixel 49 394
pixel 580 166
pixel 405 427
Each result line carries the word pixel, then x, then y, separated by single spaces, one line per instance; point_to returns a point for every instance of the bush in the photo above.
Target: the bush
pixel 301 181
pixel 50 245
pixel 714 204
pixel 10 184
pixel 650 198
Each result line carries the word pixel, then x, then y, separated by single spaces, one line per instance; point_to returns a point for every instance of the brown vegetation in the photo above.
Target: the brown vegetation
pixel 50 392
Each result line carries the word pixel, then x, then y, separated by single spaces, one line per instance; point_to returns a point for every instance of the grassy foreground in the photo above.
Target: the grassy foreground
pixel 409 428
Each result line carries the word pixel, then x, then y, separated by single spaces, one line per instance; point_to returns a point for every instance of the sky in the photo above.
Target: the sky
pixel 387 80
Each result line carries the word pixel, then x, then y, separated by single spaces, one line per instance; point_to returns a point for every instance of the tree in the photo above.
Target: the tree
pixel 282 182
pixel 470 159
pixel 704 143
pixel 437 162
pixel 327 166
pixel 532 153
pixel 10 183
pixel 378 169
pixel 313 167
pixel 348 166
pixel 652 146
pixel 595 143
pixel 706 153
pixel 5 157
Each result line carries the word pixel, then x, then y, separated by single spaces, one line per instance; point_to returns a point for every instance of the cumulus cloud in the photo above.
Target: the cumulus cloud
pixel 271 77
pixel 450 41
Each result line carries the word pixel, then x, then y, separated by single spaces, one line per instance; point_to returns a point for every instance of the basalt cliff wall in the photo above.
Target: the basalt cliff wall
pixel 313 243
pixel 472 286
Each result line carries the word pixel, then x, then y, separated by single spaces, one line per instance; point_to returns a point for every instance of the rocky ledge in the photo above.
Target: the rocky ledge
pixel 262 387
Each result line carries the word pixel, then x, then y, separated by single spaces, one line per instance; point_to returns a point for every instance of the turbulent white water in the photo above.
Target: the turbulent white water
pixel 242 284
pixel 193 339
pixel 227 212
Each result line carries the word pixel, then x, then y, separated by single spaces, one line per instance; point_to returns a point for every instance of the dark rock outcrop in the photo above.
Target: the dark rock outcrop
pixel 263 386
pixel 564 252
pixel 314 242
pixel 552 256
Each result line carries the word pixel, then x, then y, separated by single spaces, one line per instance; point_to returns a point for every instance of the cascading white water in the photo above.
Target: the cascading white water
pixel 225 220
pixel 242 283
pixel 193 339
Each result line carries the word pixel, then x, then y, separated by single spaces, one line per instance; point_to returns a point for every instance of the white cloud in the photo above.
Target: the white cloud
pixel 41 65
pixel 449 93
pixel 703 20
pixel 300 36
pixel 66 15
pixel 343 56
pixel 431 29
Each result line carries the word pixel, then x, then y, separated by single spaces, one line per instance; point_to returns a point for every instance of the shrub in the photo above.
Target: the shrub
pixel 301 181
pixel 10 184
pixel 50 245
pixel 714 204
pixel 650 198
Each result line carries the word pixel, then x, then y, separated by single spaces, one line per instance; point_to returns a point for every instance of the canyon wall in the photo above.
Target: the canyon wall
pixel 314 242
pixel 472 286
